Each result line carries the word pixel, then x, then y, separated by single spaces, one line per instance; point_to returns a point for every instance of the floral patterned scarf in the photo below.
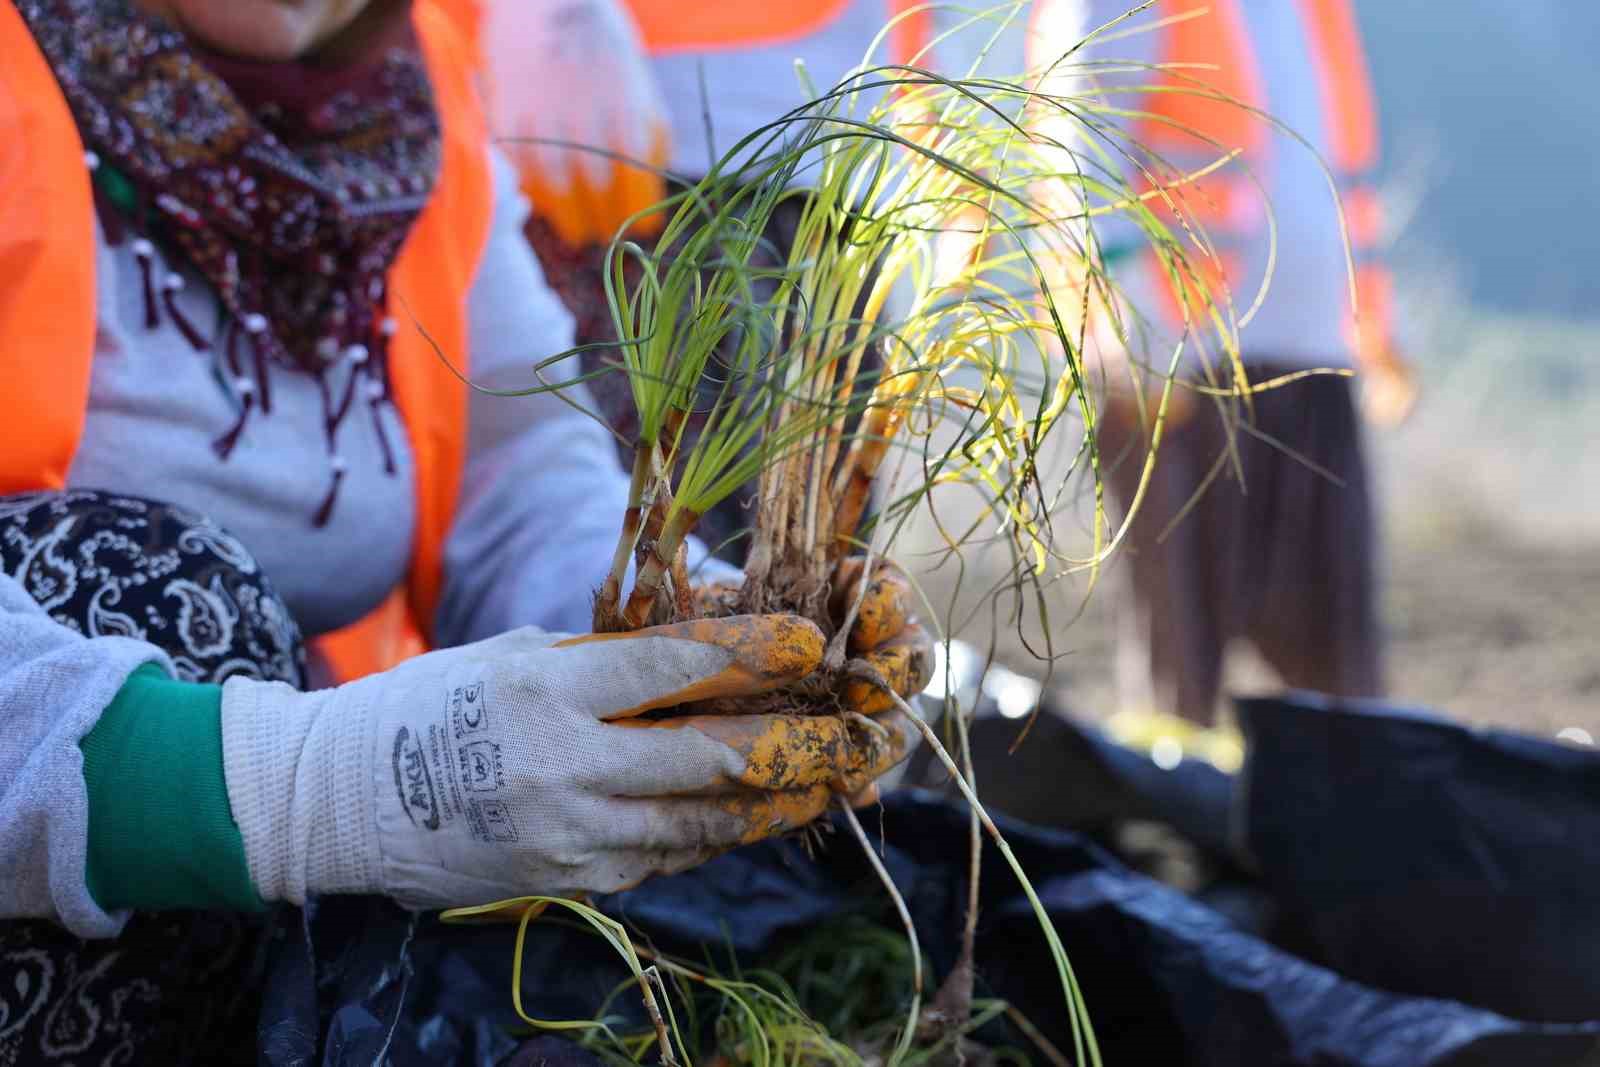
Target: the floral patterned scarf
pixel 289 187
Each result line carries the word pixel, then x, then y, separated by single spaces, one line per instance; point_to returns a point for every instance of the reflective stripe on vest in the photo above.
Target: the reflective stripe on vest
pixel 47 308
pixel 1350 118
pixel 1340 68
pixel 1201 109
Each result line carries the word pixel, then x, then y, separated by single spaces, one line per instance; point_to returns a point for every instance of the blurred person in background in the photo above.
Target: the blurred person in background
pixel 671 85
pixel 1276 546
pixel 235 242
pixel 1256 525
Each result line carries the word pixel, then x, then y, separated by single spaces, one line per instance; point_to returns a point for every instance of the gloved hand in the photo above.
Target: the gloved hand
pixel 576 71
pixel 499 769
pixel 885 633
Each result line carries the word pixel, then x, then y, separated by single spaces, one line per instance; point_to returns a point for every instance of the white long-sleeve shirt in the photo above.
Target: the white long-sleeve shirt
pixel 542 497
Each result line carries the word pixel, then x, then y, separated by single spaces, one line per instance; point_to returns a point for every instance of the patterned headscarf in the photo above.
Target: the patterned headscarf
pixel 290 188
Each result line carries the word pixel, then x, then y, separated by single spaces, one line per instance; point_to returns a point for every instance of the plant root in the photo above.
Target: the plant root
pixel 914 1013
pixel 1086 1049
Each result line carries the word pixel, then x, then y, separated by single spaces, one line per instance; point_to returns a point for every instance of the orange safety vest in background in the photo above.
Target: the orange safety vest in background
pixel 728 66
pixel 47 308
pixel 1209 50
pixel 671 26
pixel 1350 115
pixel 745 50
pixel 1213 47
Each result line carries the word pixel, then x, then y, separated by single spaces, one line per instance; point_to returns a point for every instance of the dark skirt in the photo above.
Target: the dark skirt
pixel 176 987
pixel 1282 557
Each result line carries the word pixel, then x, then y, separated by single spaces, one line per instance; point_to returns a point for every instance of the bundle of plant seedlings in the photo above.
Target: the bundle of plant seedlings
pixel 924 336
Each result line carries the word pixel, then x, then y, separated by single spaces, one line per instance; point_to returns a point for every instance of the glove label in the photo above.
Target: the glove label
pixel 469 713
pixel 495 818
pixel 454 768
pixel 480 767
pixel 413 782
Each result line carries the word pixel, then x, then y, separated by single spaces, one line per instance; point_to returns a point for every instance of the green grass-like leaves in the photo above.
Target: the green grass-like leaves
pixel 951 226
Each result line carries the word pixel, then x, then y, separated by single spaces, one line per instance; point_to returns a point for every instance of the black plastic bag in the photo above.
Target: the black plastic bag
pixel 1423 856
pixel 1168 981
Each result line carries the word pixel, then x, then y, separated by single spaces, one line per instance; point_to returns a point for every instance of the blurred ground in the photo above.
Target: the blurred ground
pixel 1497 631
pixel 1491 519
pixel 1483 627
pixel 1492 514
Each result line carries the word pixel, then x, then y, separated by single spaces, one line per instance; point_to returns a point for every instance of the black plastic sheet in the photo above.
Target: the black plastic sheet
pixel 1423 856
pixel 1168 980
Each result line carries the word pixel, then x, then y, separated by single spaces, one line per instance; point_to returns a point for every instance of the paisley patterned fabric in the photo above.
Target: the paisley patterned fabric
pixel 107 565
pixel 178 987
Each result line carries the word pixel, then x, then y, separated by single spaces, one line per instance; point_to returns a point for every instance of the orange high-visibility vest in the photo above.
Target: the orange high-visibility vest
pixel 1212 47
pixel 670 26
pixel 1201 52
pixel 683 39
pixel 47 308
pixel 1350 116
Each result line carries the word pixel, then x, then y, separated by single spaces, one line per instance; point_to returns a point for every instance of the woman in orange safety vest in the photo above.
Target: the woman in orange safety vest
pixel 245 250
pixel 1280 550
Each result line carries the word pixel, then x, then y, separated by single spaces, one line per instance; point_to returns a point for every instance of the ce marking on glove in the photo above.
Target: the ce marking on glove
pixel 469 711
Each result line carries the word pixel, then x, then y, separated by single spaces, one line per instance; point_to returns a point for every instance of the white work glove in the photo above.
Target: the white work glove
pixel 576 71
pixel 473 774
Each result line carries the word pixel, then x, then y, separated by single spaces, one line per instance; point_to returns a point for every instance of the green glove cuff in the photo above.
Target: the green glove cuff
pixel 161 832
